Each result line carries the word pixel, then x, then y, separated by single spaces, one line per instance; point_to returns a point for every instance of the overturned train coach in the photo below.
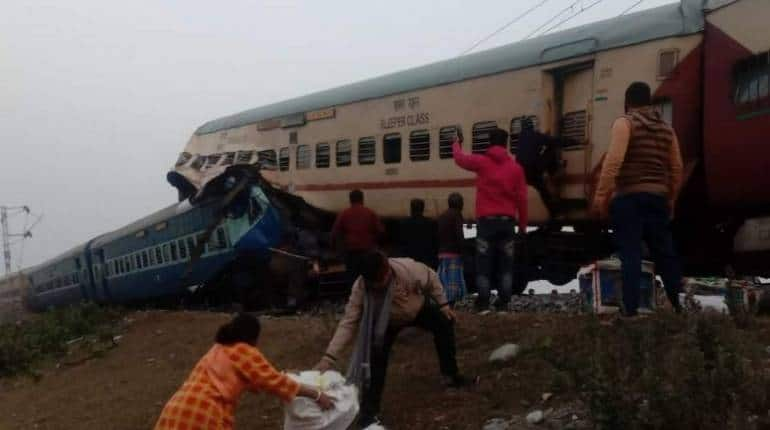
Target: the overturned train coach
pixel 226 228
pixel 707 61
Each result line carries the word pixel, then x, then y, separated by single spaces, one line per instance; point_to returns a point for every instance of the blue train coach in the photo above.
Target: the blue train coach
pixel 167 253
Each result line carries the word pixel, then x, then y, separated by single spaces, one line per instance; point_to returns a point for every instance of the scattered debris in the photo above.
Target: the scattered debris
pixel 73 341
pixel 535 417
pixel 497 424
pixel 546 396
pixel 538 303
pixel 505 352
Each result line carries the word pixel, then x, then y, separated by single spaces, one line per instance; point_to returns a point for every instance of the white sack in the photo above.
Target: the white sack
pixel 305 414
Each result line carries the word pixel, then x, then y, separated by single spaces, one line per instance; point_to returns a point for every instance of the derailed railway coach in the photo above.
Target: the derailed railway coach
pixel 194 246
pixel 706 60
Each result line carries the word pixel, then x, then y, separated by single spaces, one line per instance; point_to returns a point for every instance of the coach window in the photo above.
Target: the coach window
pixel 666 109
pixel 573 127
pixel 516 127
pixel 166 253
pixel 480 139
pixel 667 60
pixel 191 245
pixel 322 155
pixel 129 264
pixel 366 152
pixel 446 137
pixel 752 81
pixel 145 259
pixel 266 159
pixel 172 247
pixel 182 250
pixel 244 157
pixel 303 157
pixel 343 152
pixel 213 159
pixel 121 268
pixel 419 145
pixel 137 261
pixel 228 159
pixel 199 240
pixel 391 148
pixel 218 240
pixel 283 159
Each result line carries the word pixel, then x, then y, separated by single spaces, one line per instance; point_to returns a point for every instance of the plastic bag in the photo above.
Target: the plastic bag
pixel 305 414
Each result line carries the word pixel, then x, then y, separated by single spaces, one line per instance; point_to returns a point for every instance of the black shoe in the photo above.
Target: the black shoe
pixel 456 381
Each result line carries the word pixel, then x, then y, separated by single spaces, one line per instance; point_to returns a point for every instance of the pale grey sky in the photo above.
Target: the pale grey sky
pixel 98 97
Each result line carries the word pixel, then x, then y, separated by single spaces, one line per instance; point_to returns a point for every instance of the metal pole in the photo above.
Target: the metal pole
pixel 6 239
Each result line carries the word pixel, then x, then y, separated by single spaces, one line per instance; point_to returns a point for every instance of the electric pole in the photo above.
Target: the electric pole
pixel 7 235
pixel 6 238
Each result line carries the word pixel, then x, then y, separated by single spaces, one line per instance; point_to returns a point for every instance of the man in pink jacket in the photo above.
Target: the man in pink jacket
pixel 501 198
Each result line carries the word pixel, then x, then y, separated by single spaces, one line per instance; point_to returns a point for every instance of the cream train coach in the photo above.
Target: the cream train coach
pixel 390 136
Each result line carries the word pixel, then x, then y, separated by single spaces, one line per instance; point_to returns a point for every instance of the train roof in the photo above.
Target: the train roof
pixel 143 223
pixel 678 19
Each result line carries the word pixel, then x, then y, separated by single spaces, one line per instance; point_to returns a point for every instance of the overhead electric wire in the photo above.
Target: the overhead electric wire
pixel 633 6
pixel 552 19
pixel 508 24
pixel 569 18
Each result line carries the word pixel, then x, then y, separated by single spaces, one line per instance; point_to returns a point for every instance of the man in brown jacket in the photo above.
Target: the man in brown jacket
pixel 638 187
pixel 390 294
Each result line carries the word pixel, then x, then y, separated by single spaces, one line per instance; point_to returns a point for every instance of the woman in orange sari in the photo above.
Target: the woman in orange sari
pixel 207 400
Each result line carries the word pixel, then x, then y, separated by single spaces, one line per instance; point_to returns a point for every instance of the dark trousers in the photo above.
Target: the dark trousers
pixel 353 264
pixel 536 178
pixel 645 217
pixel 431 319
pixel 494 258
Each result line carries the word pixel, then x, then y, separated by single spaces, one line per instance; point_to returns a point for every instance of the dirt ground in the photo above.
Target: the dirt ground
pixel 127 388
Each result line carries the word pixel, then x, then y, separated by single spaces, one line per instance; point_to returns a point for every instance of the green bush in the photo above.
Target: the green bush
pixel 47 335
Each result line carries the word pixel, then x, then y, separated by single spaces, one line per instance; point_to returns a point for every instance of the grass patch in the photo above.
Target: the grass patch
pixel 51 334
pixel 702 371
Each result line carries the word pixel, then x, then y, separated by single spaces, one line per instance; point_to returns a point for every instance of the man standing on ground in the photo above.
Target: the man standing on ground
pixel 389 295
pixel 450 252
pixel 501 197
pixel 359 228
pixel 638 187
pixel 417 235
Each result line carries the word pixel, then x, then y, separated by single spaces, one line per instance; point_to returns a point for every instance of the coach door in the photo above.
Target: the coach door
pixel 100 277
pixel 573 96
